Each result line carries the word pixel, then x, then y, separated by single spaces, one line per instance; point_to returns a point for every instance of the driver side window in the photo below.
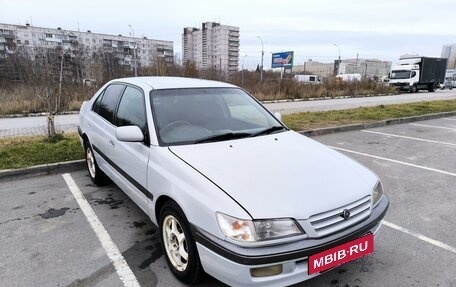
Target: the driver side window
pixel 132 109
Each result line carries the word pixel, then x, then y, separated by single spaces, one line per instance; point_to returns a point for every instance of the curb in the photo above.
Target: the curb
pixel 331 130
pixel 45 169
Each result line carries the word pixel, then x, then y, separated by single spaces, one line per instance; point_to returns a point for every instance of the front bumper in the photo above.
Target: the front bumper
pixel 401 86
pixel 231 263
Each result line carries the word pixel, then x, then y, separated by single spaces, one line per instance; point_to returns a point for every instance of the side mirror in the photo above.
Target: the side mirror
pixel 413 74
pixel 129 134
pixel 278 116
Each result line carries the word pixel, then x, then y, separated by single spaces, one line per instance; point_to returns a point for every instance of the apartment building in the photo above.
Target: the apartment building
pixel 214 46
pixel 30 39
pixel 323 70
pixel 369 68
pixel 366 67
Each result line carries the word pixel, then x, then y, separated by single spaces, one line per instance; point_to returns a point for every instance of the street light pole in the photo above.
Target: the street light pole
pixel 242 72
pixel 134 51
pixel 262 55
pixel 338 62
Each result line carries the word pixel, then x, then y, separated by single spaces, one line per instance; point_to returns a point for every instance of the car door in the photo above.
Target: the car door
pixel 101 129
pixel 131 158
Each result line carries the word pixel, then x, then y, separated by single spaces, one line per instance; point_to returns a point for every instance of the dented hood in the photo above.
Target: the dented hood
pixel 280 175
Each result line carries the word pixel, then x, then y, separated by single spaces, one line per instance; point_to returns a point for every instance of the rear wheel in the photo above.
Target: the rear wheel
pixel 178 244
pixel 96 175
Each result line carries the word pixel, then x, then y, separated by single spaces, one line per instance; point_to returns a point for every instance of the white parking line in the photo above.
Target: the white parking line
pixel 420 236
pixel 396 161
pixel 448 119
pixel 410 138
pixel 430 126
pixel 127 276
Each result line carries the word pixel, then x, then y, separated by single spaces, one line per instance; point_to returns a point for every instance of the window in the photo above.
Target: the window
pixel 48 35
pixel 189 115
pixel 96 105
pixel 27 42
pixel 109 102
pixel 132 109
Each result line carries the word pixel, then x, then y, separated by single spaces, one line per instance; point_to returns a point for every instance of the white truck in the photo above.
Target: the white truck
pixel 418 73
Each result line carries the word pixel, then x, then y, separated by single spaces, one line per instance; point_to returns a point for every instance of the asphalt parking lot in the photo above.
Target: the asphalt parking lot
pixel 49 239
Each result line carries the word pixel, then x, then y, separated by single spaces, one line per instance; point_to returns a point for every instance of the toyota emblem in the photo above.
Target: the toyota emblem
pixel 345 214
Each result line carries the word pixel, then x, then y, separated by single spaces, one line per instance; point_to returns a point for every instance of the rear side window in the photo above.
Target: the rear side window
pixel 109 102
pixel 132 109
pixel 96 105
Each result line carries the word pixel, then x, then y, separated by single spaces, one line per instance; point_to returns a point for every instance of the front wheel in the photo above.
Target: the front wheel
pixel 413 89
pixel 178 244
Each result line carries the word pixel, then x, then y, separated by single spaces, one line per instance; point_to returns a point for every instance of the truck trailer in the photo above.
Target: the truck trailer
pixel 418 73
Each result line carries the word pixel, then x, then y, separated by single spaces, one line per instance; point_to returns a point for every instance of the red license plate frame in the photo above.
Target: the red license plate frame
pixel 341 254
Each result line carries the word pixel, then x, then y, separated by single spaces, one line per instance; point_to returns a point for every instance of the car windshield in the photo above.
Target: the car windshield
pixel 191 116
pixel 400 75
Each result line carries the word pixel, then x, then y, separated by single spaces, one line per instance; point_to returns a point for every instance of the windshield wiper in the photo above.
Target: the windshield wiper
pixel 222 137
pixel 269 131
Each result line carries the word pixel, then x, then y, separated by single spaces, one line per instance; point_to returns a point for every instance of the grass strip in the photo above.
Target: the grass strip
pixel 18 152
pixel 314 120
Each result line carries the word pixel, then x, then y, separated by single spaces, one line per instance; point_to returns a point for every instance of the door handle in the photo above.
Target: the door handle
pixel 112 142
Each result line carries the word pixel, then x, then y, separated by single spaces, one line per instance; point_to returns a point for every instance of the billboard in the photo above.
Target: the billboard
pixel 283 59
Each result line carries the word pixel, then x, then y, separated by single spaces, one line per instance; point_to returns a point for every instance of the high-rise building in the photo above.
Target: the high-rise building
pixel 449 52
pixel 31 39
pixel 214 46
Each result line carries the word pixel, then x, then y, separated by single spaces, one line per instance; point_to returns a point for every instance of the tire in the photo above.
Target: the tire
pixel 431 88
pixel 413 89
pixel 96 174
pixel 177 243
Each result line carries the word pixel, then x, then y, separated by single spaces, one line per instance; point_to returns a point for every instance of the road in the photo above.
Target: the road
pixel 10 127
pixel 47 239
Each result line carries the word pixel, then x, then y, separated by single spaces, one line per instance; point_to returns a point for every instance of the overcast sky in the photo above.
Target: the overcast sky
pixel 383 29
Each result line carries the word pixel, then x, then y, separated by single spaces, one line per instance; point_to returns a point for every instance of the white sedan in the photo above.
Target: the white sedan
pixel 234 192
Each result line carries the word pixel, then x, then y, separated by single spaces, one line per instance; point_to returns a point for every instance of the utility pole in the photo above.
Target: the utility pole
pixel 357 59
pixel 262 55
pixel 338 62
pixel 242 72
pixel 134 51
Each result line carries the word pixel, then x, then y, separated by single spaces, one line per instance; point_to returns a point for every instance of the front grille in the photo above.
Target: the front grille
pixel 332 221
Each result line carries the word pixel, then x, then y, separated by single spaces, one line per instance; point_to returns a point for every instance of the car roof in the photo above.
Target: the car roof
pixel 160 83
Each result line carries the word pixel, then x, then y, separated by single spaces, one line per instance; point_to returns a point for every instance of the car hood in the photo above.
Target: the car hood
pixel 280 175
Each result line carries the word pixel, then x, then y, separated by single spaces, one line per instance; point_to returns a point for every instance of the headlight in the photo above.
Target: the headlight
pixel 378 192
pixel 256 230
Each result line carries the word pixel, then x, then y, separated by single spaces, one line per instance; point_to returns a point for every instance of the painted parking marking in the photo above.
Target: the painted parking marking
pixel 435 127
pixel 410 138
pixel 126 275
pixel 448 119
pixel 396 161
pixel 420 236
